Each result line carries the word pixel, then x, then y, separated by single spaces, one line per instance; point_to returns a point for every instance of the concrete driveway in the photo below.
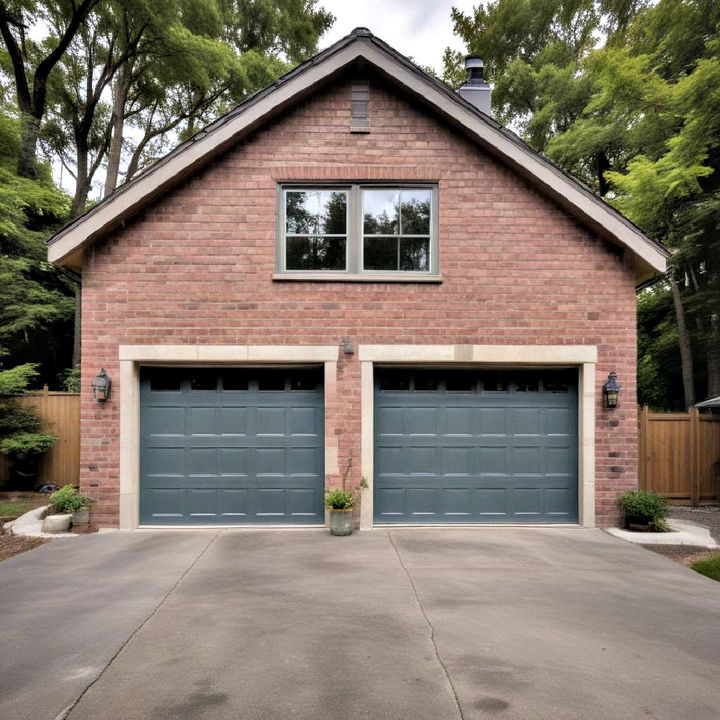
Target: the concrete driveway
pixel 416 624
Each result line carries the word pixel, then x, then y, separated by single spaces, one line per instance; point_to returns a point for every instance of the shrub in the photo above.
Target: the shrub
pixel 68 500
pixel 646 504
pixel 339 499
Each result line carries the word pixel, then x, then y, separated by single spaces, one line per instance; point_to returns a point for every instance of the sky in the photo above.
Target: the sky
pixel 421 29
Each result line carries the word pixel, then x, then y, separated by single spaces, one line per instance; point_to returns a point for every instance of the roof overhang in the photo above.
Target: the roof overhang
pixel 67 245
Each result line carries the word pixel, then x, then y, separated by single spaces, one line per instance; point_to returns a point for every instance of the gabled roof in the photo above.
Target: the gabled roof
pixel 709 403
pixel 66 246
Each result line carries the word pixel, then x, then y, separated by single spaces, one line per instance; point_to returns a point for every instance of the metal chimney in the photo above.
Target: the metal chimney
pixel 476 89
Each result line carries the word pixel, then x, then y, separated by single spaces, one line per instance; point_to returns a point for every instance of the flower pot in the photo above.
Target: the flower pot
pixel 81 516
pixel 56 523
pixel 341 522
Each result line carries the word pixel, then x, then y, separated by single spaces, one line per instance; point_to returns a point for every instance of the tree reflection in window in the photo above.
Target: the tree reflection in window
pixel 396 229
pixel 316 229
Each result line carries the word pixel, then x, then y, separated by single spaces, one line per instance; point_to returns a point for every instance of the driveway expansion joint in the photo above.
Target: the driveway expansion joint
pixel 446 672
pixel 66 712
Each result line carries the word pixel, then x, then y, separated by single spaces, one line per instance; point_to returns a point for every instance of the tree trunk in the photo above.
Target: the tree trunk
pixel 686 358
pixel 28 146
pixel 122 87
pixel 603 165
pixel 713 360
pixel 82 184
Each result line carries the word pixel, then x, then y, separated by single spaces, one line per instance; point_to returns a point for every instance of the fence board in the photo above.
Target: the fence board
pixel 679 455
pixel 60 412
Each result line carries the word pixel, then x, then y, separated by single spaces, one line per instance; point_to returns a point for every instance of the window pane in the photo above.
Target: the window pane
pixel 495 382
pixel 316 212
pixel 414 254
pixel 203 379
pixel 395 380
pixel 315 253
pixel 271 380
pixel 166 379
pixel 415 211
pixel 305 379
pixel 380 210
pixel 235 379
pixel 380 254
pixel 527 383
pixel 460 381
pixel 426 381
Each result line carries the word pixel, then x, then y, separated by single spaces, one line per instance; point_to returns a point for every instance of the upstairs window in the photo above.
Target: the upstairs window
pixel 373 231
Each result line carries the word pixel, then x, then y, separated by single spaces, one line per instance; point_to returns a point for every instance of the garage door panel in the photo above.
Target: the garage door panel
pixel 500 456
pixel 492 501
pixel 245 455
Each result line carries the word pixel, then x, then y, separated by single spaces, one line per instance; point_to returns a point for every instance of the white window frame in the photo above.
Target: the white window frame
pixel 355 237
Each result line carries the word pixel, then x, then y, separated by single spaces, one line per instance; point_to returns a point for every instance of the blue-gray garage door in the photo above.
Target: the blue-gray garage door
pixel 470 446
pixel 231 446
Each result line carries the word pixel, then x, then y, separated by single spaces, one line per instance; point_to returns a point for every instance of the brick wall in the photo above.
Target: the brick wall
pixel 196 267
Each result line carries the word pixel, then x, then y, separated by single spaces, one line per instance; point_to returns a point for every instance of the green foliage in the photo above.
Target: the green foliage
pixel 19 426
pixel 340 499
pixel 68 500
pixel 626 95
pixel 70 379
pixel 25 446
pixel 648 505
pixel 710 567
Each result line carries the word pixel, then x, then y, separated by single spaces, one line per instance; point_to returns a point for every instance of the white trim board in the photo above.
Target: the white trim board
pixel 66 246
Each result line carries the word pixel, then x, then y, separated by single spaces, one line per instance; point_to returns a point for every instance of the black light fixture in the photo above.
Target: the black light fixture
pixel 347 346
pixel 611 390
pixel 101 386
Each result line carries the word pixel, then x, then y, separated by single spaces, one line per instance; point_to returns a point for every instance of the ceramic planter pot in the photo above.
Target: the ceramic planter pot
pixel 81 516
pixel 341 522
pixel 56 523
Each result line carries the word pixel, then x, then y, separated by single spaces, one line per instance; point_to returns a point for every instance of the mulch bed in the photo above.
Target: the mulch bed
pixel 683 554
pixel 13 545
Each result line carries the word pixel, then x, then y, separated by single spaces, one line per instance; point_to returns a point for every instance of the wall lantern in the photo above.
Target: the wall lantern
pixel 101 386
pixel 611 390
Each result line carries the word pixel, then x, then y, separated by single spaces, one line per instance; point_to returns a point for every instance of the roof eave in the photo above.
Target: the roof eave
pixel 67 245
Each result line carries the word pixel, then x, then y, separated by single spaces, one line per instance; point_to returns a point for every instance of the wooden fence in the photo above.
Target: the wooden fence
pixel 679 456
pixel 61 414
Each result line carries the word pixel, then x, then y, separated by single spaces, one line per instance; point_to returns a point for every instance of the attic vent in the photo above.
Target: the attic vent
pixel 360 107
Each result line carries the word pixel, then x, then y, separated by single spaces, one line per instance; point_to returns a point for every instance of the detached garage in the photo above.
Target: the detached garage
pixel 231 446
pixel 476 446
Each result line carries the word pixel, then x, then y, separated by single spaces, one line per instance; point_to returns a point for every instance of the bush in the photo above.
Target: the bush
pixel 339 499
pixel 68 500
pixel 648 505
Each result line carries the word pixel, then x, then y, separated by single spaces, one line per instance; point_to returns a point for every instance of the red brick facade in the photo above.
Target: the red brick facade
pixel 196 268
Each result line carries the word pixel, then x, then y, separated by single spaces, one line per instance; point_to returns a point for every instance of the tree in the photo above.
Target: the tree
pixel 36 298
pixel 626 95
pixel 32 62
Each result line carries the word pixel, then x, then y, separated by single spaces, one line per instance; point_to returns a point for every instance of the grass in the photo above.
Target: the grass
pixel 13 506
pixel 709 567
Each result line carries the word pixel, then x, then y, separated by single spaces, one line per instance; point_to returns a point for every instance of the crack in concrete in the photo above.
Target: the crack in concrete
pixel 429 624
pixel 66 712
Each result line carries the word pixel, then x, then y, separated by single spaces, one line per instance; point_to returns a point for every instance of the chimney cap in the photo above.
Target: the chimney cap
pixel 473 61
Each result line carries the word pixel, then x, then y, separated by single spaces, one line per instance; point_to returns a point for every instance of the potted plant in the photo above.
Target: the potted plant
pixel 645 510
pixel 68 502
pixel 340 506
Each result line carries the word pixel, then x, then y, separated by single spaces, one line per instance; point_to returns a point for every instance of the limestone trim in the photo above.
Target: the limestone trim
pixel 133 356
pixel 582 357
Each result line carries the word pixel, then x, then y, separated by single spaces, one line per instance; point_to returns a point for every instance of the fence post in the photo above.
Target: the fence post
pixel 642 446
pixel 695 456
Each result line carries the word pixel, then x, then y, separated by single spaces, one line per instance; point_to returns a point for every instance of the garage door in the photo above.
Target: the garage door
pixel 231 446
pixel 467 446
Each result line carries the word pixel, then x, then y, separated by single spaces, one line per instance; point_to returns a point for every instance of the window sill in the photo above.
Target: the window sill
pixel 356 277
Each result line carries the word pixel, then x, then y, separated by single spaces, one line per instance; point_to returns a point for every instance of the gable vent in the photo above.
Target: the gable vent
pixel 360 107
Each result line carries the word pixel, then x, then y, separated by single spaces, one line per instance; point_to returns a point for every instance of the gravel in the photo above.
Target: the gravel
pixel 708 516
